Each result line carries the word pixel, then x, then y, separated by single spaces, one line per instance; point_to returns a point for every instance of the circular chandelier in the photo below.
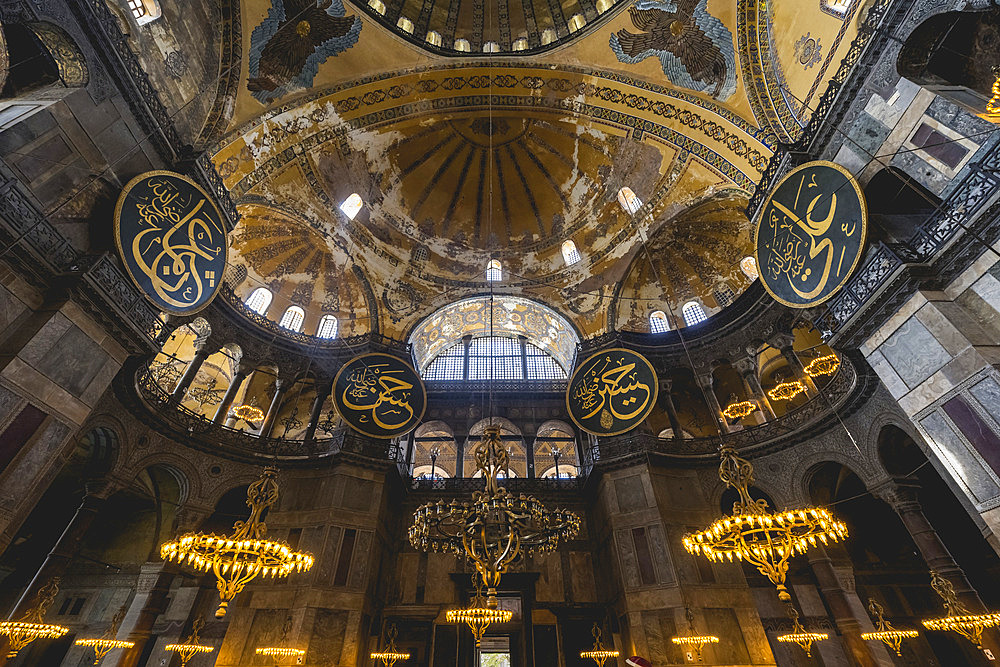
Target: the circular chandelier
pixel 249 412
pixel 191 647
pixel 786 391
pixel 884 632
pixel 799 636
pixel 766 539
pixel 958 618
pixel 389 655
pixel 495 527
pixel 740 409
pixel 241 557
pixel 479 615
pixel 598 654
pixel 279 652
pixel 33 626
pixel 107 643
pixel 694 642
pixel 827 365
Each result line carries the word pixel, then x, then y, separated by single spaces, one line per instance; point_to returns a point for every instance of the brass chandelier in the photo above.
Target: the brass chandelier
pixel 958 618
pixel 390 655
pixel 241 557
pixel 106 643
pixel 191 647
pixel 693 641
pixel 884 632
pixel 279 652
pixel 33 625
pixel 757 535
pixel 826 365
pixel 495 527
pixel 479 615
pixel 598 654
pixel 799 636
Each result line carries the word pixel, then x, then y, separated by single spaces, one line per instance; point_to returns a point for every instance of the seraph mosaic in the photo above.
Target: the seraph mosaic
pixel 297 36
pixel 695 48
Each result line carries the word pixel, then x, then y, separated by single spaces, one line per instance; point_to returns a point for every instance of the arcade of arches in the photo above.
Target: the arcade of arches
pixel 494 191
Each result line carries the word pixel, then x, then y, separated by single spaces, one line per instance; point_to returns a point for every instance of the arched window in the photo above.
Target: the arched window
pixel 570 253
pixel 693 313
pixel 604 5
pixel 749 266
pixel 576 22
pixel 491 47
pixel 378 6
pixel 629 201
pixel 292 319
pixel 352 205
pixel 405 24
pixel 462 45
pixel 494 358
pixel 548 36
pixel 144 11
pixel 433 38
pixel 836 7
pixel 724 295
pixel 259 300
pixel 520 44
pixel 327 327
pixel 658 322
pixel 494 271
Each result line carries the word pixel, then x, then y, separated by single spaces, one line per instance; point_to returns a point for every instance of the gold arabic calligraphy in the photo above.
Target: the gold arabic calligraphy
pixel 385 399
pixel 803 250
pixel 178 234
pixel 611 387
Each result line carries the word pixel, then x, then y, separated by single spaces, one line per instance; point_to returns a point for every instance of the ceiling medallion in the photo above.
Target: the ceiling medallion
pixel 106 643
pixel 479 615
pixel 739 410
pixel 495 527
pixel 755 534
pixel 598 654
pixel 190 647
pixel 786 391
pixel 33 625
pixel 389 655
pixel 827 365
pixel 799 636
pixel 885 633
pixel 279 652
pixel 958 618
pixel 239 558
pixel 693 642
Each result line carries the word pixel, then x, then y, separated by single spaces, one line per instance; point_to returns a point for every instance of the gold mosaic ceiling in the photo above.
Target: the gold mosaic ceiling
pixel 508 155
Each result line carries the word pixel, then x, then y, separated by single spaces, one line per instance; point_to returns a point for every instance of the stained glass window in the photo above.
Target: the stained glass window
pixel 259 300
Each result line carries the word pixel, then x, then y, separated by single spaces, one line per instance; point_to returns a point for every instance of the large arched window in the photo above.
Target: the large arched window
pixel 259 301
pixel 494 358
pixel 749 267
pixel 693 313
pixel 494 271
pixel 629 201
pixel 569 252
pixel 327 327
pixel 293 318
pixel 658 322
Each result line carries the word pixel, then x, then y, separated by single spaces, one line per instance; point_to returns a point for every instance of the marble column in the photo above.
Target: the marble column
pixel 668 404
pixel 747 369
pixel 280 387
pixel 242 371
pixel 850 618
pixel 705 381
pixel 322 393
pixel 799 371
pixel 201 353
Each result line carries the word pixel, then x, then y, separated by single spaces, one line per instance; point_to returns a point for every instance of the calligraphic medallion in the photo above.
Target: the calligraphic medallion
pixel 811 234
pixel 172 241
pixel 611 392
pixel 379 395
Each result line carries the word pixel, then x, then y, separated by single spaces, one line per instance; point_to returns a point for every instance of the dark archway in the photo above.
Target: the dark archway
pixel 897 205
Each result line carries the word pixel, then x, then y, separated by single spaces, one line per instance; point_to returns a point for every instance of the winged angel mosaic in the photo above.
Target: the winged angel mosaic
pixel 297 36
pixel 695 48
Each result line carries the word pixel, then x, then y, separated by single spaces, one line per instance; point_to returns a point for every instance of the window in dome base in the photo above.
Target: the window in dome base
pixel 327 327
pixel 629 201
pixel 693 313
pixel 293 318
pixel 749 267
pixel 569 252
pixel 352 205
pixel 494 271
pixel 259 300
pixel 658 322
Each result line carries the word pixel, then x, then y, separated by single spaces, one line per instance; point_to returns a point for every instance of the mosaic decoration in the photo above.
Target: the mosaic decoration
pixel 287 48
pixel 71 64
pixel 808 50
pixel 612 392
pixel 694 48
pixel 379 395
pixel 172 241
pixel 811 234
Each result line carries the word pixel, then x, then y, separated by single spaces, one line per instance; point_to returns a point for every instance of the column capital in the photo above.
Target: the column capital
pixel 900 494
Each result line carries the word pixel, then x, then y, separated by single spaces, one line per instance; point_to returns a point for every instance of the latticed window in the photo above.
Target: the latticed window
pixel 658 322
pixel 434 38
pixel 629 201
pixel 327 327
pixel 259 300
pixel 352 205
pixel 293 318
pixel 494 271
pixel 405 24
pixel 569 252
pixel 138 9
pixel 724 295
pixel 541 366
pixel 449 365
pixel 693 313
pixel 495 358
pixel 749 267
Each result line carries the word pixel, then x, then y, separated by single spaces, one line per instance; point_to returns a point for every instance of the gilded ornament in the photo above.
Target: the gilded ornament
pixel 598 654
pixel 799 636
pixel 33 626
pixel 191 646
pixel 884 632
pixel 958 618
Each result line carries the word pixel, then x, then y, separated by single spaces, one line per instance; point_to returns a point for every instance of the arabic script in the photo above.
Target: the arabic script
pixel 379 395
pixel 610 388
